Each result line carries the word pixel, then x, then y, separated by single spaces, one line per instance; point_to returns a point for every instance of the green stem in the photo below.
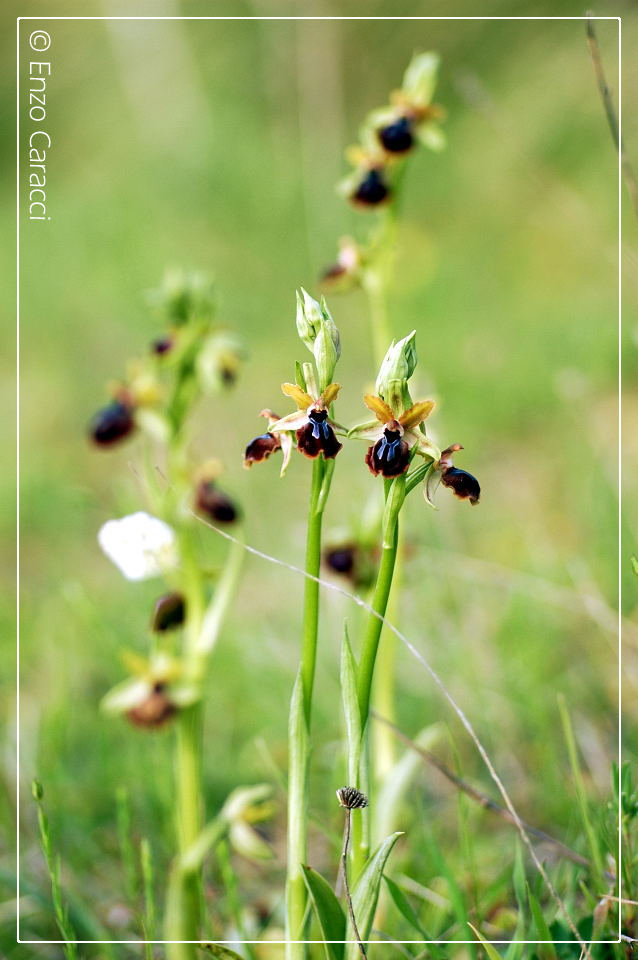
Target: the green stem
pixel 394 502
pixel 311 589
pixel 300 718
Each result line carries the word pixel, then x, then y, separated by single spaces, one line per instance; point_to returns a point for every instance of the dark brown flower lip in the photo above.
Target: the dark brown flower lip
pixel 390 455
pixel 317 435
pixel 162 345
pixel 261 447
pixel 341 559
pixel 112 423
pixel 154 711
pixel 463 484
pixel 397 137
pixel 372 189
pixel 169 612
pixel 214 503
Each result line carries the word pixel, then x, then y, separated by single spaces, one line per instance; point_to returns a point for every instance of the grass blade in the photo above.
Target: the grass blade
pixel 329 913
pixel 365 895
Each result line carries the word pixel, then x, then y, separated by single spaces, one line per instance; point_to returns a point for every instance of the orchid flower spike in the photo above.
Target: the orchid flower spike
pixel 314 428
pixel 462 484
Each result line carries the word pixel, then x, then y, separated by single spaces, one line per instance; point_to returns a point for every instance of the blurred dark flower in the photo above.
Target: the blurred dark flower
pixel 112 423
pixel 397 137
pixel 214 503
pixel 169 612
pixel 372 189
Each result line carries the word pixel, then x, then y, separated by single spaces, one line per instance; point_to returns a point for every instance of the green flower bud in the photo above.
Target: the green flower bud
pixel 419 79
pixel 37 790
pixel 398 366
pixel 319 332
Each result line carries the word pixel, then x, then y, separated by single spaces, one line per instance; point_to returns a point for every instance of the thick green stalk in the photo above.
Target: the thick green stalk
pixel 300 718
pixel 394 502
pixel 311 588
pixel 395 495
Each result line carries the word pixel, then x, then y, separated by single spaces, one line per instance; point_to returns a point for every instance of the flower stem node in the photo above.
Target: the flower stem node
pixel 351 798
pixel 169 612
pixel 112 424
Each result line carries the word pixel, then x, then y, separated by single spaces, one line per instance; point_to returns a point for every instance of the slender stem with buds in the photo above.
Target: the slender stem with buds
pixel 346 885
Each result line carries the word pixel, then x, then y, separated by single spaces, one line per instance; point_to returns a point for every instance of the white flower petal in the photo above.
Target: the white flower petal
pixel 140 545
pixel 126 695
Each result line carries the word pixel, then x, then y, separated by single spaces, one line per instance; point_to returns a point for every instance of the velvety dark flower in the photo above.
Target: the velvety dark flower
pixel 112 423
pixel 214 503
pixel 397 137
pixel 314 429
pixel 341 559
pixel 154 693
pixel 394 436
pixel 262 446
pixel 372 189
pixel 462 484
pixel 162 345
pixel 169 612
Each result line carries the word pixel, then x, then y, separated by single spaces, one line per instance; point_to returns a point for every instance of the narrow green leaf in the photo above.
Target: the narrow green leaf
pixel 491 951
pixel 329 912
pixel 515 949
pixel 365 895
pixel 546 951
pixel 351 710
pixel 404 907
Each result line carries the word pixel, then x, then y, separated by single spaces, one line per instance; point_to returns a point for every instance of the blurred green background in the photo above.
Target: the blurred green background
pixel 217 145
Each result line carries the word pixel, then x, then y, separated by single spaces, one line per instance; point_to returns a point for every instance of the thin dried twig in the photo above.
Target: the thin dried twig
pixel 482 798
pixel 612 119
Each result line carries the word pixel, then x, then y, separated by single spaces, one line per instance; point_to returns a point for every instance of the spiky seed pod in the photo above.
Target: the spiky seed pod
pixel 351 798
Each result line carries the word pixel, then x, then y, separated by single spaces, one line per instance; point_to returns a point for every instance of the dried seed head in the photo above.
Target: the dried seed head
pixel 351 798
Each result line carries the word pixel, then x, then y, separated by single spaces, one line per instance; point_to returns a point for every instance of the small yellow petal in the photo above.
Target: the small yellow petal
pixel 301 398
pixel 416 414
pixel 379 407
pixel 329 395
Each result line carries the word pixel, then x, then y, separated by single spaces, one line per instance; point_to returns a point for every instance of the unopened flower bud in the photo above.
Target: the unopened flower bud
pixel 319 332
pixel 37 790
pixel 420 78
pixel 396 369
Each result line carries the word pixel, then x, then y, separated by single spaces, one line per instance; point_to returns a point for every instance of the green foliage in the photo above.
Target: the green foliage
pixel 330 915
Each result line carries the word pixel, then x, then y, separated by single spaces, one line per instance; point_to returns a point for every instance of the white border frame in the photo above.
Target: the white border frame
pixel 230 943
